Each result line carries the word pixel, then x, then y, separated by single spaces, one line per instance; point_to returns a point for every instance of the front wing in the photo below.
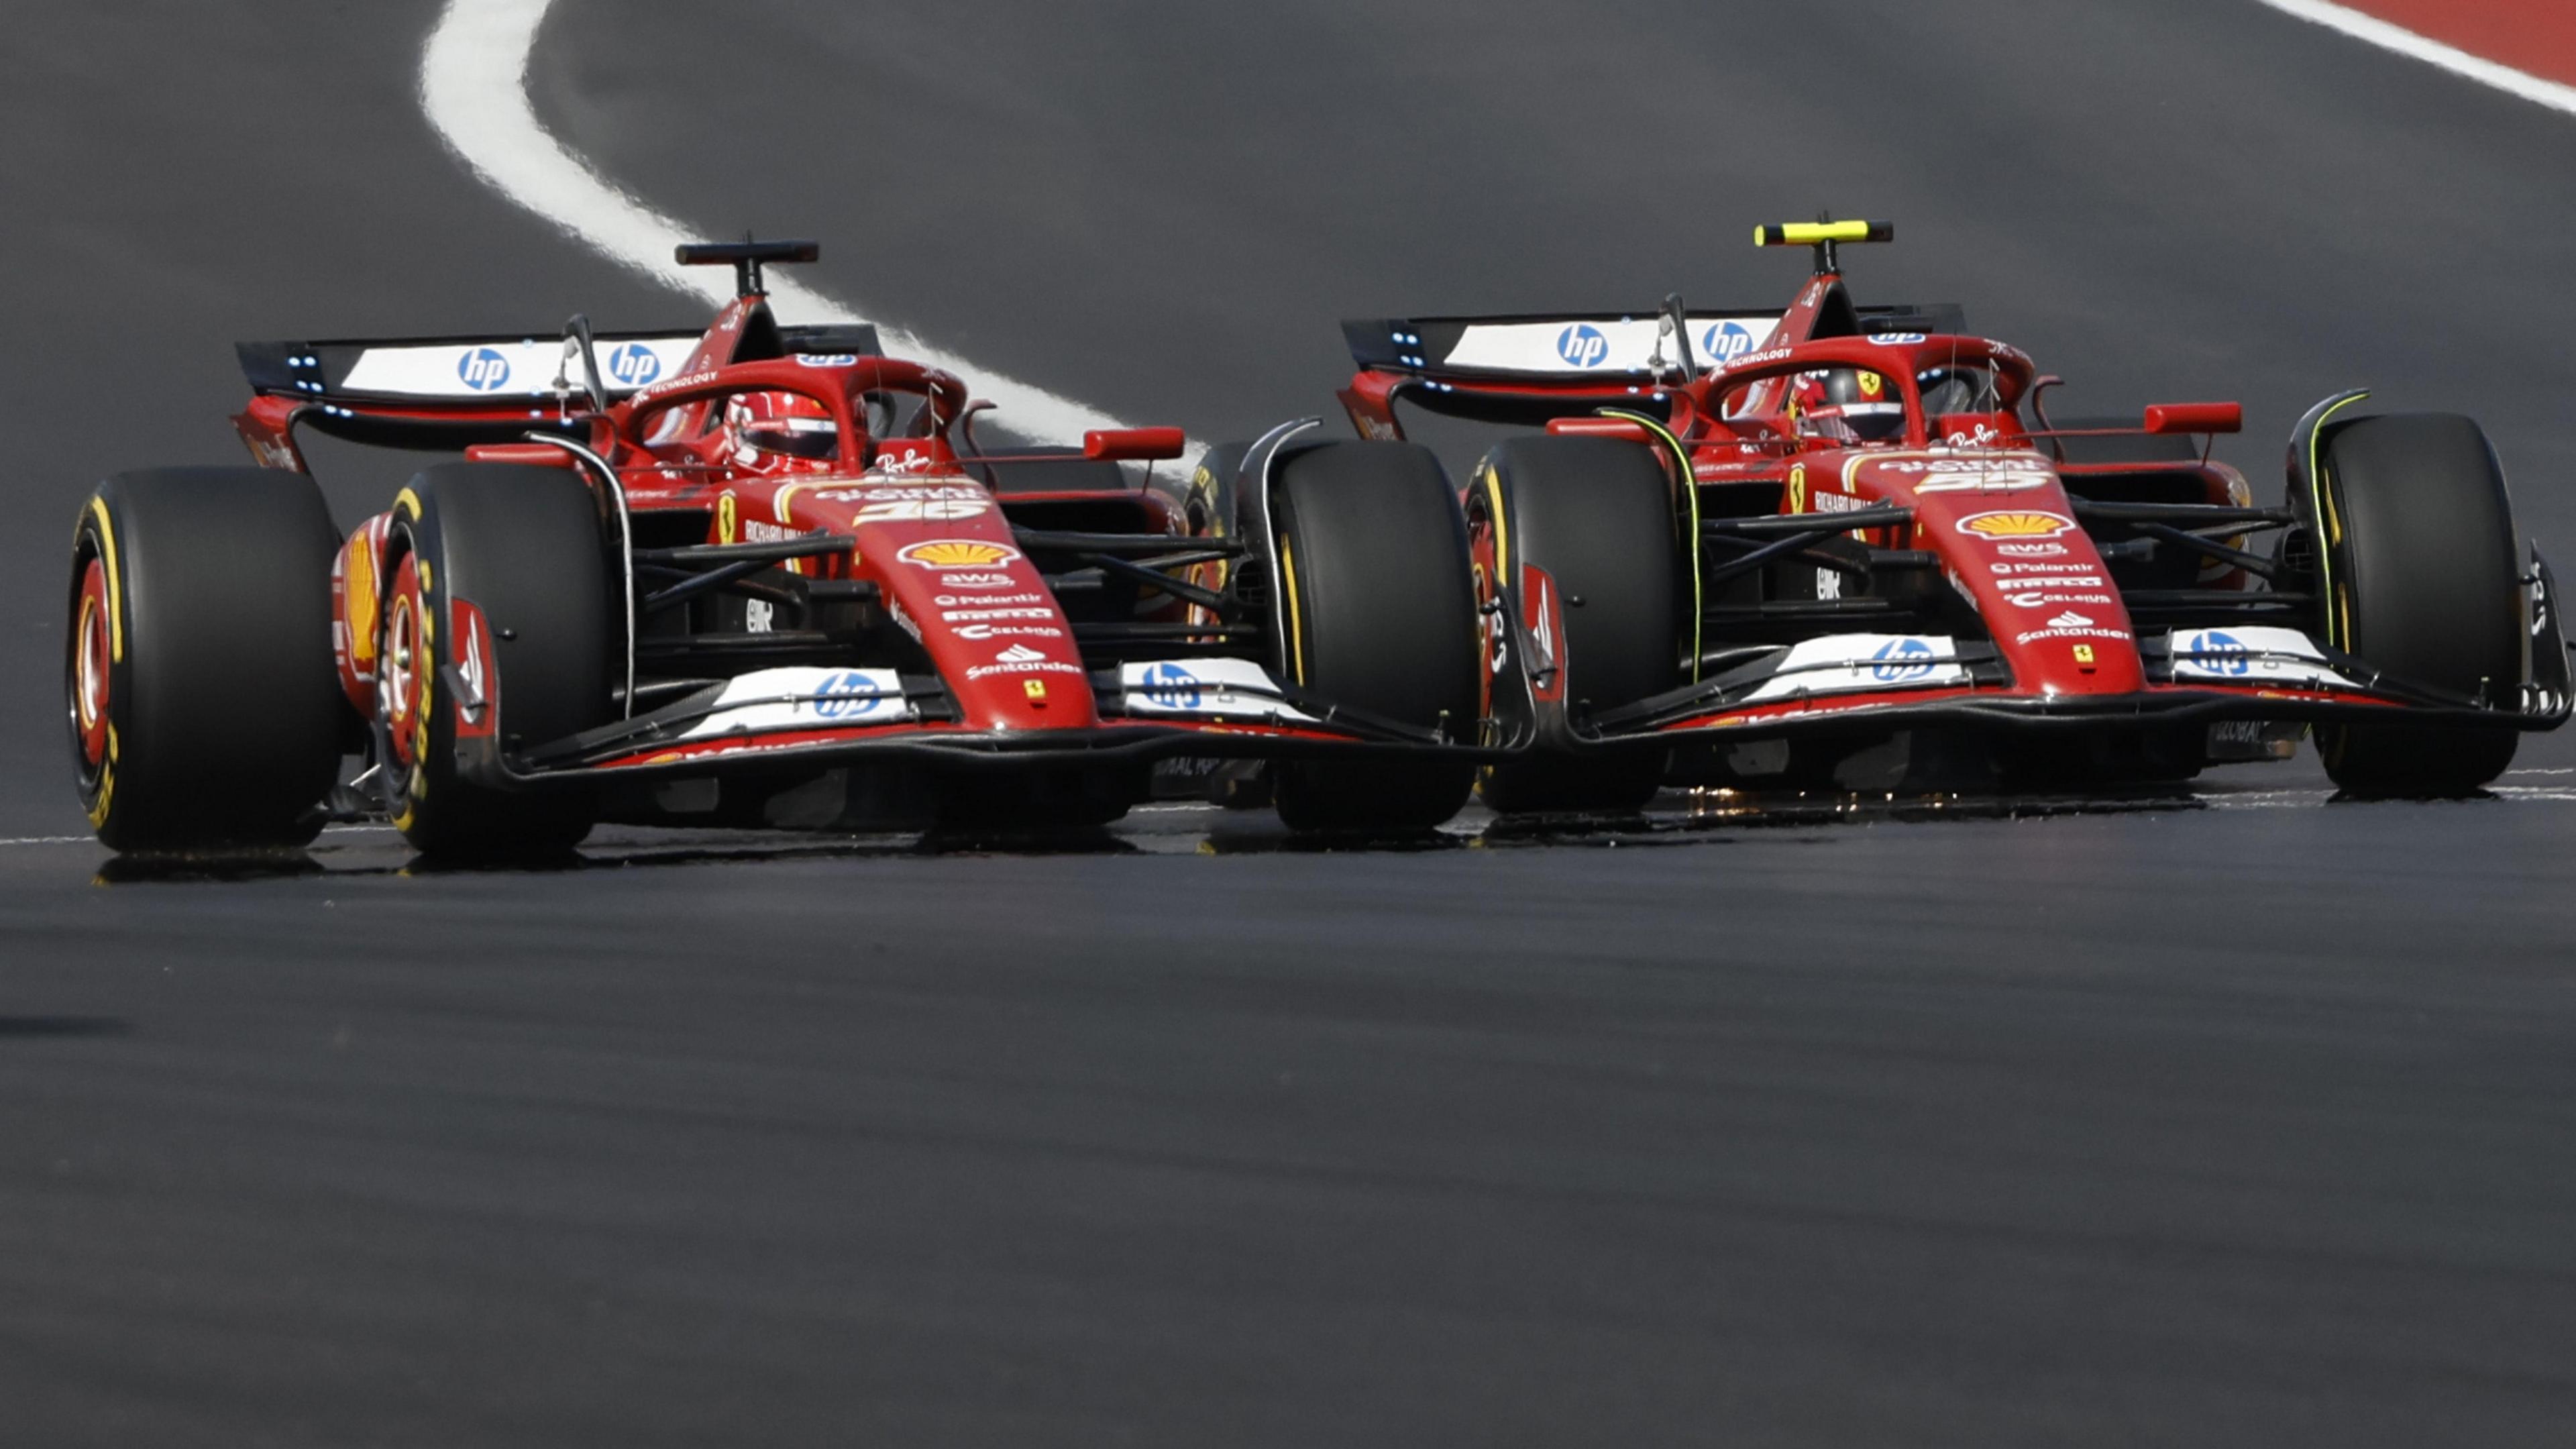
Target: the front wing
pixel 1846 683
pixel 827 717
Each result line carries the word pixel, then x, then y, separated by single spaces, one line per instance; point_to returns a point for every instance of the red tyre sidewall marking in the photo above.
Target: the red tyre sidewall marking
pixel 401 682
pixel 91 678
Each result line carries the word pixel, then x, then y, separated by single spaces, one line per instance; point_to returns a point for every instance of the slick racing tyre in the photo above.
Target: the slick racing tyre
pixel 198 680
pixel 1374 609
pixel 524 546
pixel 2420 581
pixel 1597 515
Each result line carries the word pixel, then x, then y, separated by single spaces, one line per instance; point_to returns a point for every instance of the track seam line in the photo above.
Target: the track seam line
pixel 2393 37
pixel 473 88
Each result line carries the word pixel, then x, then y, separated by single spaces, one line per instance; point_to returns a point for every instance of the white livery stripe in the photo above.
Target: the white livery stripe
pixel 473 87
pixel 2381 33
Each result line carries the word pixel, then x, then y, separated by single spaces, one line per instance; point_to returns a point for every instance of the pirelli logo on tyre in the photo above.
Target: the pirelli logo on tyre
pixel 956 553
pixel 2015 524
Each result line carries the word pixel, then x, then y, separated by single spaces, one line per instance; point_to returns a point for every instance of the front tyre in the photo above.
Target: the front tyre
pixel 2422 581
pixel 1597 514
pixel 198 679
pixel 522 545
pixel 1374 609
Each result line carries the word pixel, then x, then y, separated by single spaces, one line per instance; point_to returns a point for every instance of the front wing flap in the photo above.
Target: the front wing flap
pixel 1839 682
pixel 819 716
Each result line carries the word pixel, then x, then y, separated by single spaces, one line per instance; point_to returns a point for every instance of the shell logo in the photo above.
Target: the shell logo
pixel 957 553
pixel 2030 524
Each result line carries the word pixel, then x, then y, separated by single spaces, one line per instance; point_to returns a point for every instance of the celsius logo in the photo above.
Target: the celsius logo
pixel 1172 686
pixel 1582 345
pixel 483 369
pixel 1900 660
pixel 1725 342
pixel 633 365
pixel 2220 653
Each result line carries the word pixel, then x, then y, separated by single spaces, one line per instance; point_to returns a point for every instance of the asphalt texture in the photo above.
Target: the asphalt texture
pixel 2246 1120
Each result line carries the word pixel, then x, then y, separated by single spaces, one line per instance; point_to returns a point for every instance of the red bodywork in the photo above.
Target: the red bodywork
pixel 935 548
pixel 1993 498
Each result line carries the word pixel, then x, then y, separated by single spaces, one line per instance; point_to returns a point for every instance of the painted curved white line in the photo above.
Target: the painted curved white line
pixel 2389 36
pixel 473 88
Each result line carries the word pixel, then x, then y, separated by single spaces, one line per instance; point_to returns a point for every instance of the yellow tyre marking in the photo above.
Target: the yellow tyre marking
pixel 1296 628
pixel 115 591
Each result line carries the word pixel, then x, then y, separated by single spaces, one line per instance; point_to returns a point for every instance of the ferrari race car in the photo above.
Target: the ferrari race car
pixel 1837 546
pixel 686 578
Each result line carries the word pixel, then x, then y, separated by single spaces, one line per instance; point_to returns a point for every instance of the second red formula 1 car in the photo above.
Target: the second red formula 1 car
pixel 686 578
pixel 1843 546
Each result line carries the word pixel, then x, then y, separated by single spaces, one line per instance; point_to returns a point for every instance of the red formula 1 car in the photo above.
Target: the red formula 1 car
pixel 1841 546
pixel 731 578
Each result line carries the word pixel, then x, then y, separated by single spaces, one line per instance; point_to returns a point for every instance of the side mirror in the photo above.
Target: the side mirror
pixel 2196 418
pixel 1134 444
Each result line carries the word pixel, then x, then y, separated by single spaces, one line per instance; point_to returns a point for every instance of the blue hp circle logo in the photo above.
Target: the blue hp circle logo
pixel 483 369
pixel 1900 660
pixel 1725 342
pixel 2220 653
pixel 1172 686
pixel 1582 345
pixel 846 695
pixel 633 365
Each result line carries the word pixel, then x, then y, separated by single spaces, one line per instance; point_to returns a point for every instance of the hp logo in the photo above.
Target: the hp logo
pixel 633 365
pixel 483 369
pixel 1172 686
pixel 846 695
pixel 1725 342
pixel 1582 345
pixel 2220 653
pixel 1900 660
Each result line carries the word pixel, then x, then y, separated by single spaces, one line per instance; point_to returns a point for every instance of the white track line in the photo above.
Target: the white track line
pixel 473 87
pixel 2451 58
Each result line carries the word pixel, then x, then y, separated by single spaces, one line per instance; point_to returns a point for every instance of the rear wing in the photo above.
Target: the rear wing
pixel 447 393
pixel 1610 347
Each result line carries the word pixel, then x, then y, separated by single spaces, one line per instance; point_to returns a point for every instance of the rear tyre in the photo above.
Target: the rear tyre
pixel 1374 609
pixel 204 712
pixel 523 545
pixel 2422 582
pixel 1597 515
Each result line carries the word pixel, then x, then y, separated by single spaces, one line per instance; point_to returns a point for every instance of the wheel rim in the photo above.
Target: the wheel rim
pixel 91 664
pixel 400 673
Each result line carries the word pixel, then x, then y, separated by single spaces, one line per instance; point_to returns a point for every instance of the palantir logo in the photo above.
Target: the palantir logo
pixel 2219 652
pixel 1900 660
pixel 633 365
pixel 1172 686
pixel 1582 345
pixel 483 369
pixel 1724 342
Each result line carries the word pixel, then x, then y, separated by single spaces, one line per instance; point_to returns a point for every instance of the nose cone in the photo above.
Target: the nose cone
pixel 988 621
pixel 2002 523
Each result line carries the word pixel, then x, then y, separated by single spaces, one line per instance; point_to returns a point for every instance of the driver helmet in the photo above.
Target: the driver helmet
pixel 1849 404
pixel 779 429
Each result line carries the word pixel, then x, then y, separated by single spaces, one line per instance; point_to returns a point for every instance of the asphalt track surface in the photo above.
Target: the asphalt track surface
pixel 2242 1122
